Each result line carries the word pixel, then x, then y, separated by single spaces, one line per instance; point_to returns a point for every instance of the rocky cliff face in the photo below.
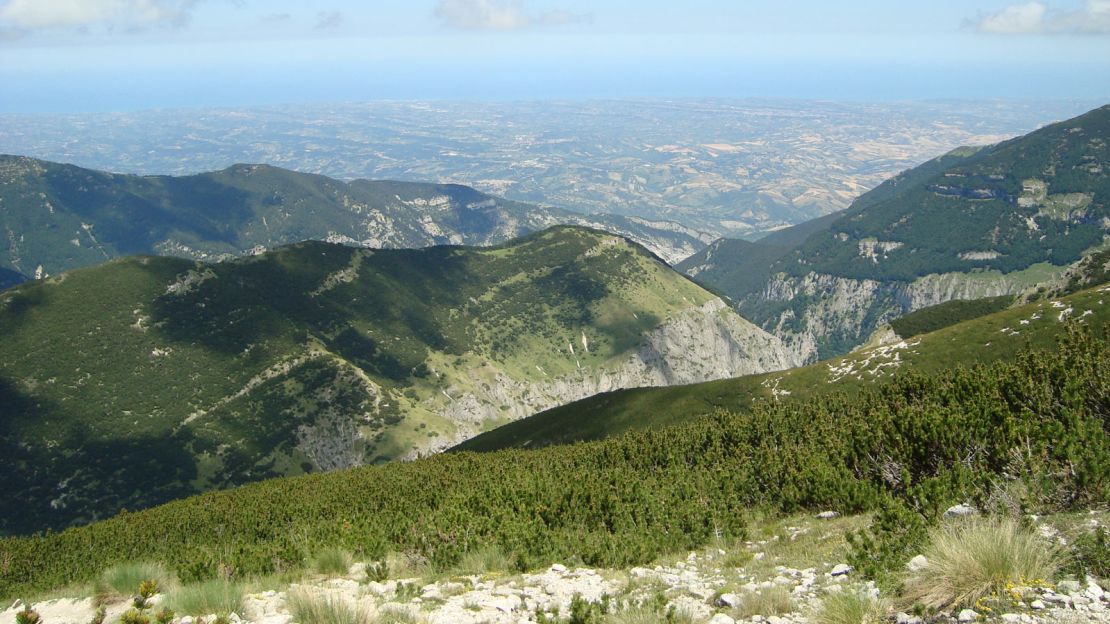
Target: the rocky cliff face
pixel 822 315
pixel 702 343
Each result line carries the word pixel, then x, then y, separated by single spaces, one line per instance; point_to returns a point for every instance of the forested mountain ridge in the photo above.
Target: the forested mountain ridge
pixel 56 217
pixel 150 378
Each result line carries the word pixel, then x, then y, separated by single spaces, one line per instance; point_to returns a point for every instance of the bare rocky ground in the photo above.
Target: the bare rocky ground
pixel 798 562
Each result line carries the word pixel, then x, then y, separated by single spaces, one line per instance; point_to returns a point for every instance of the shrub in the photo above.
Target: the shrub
pixel 332 562
pixel 207 597
pixel 1089 554
pixel 971 559
pixel 377 571
pixel 766 602
pixel 28 616
pixel 310 608
pixel 134 616
pixel 850 607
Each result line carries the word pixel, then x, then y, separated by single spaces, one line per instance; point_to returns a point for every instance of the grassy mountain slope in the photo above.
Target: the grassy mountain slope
pixel 1043 197
pixel 1037 422
pixel 990 338
pixel 57 217
pixel 150 378
pixel 974 223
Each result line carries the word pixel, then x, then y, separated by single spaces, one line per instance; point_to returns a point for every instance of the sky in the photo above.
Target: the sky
pixel 104 55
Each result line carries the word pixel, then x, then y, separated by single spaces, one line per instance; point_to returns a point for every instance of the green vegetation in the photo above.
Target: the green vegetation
pixel 149 379
pixel 947 314
pixel 970 560
pixel 1089 554
pixel 923 440
pixel 998 336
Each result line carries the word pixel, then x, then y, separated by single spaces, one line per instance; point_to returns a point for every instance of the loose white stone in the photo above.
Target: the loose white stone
pixel 967 615
pixel 840 569
pixel 728 600
pixel 1037 605
pixel 920 562
pixel 721 618
pixel 828 515
pixel 959 510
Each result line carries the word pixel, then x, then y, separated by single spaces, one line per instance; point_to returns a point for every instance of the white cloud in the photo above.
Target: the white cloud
pixel 499 15
pixel 31 15
pixel 1038 18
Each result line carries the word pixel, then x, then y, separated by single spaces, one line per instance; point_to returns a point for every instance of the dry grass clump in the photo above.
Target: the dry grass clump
pixel 122 581
pixel 312 608
pixel 850 607
pixel 766 602
pixel 205 598
pixel 971 559
pixel 332 562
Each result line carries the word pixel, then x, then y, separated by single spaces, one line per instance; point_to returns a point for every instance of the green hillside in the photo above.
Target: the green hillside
pixel 907 448
pixel 151 378
pixel 1043 197
pixel 1003 220
pixel 58 217
pixel 995 337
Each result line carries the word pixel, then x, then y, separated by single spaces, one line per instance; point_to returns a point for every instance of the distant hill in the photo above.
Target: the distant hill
pixel 58 217
pixel 981 339
pixel 150 378
pixel 978 222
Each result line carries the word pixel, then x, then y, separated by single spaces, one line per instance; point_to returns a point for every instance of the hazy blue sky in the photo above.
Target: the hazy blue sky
pixel 63 55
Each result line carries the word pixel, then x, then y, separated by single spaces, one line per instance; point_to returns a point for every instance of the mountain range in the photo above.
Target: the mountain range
pixel 57 217
pixel 151 378
pixel 976 222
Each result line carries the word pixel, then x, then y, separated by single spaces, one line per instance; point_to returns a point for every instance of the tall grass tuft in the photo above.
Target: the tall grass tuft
pixel 396 615
pixel 332 562
pixel 975 558
pixel 207 597
pixel 311 608
pixel 849 607
pixel 646 614
pixel 123 580
pixel 766 602
pixel 483 561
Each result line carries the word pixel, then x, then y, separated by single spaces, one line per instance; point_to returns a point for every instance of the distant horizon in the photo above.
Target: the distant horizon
pixel 70 56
